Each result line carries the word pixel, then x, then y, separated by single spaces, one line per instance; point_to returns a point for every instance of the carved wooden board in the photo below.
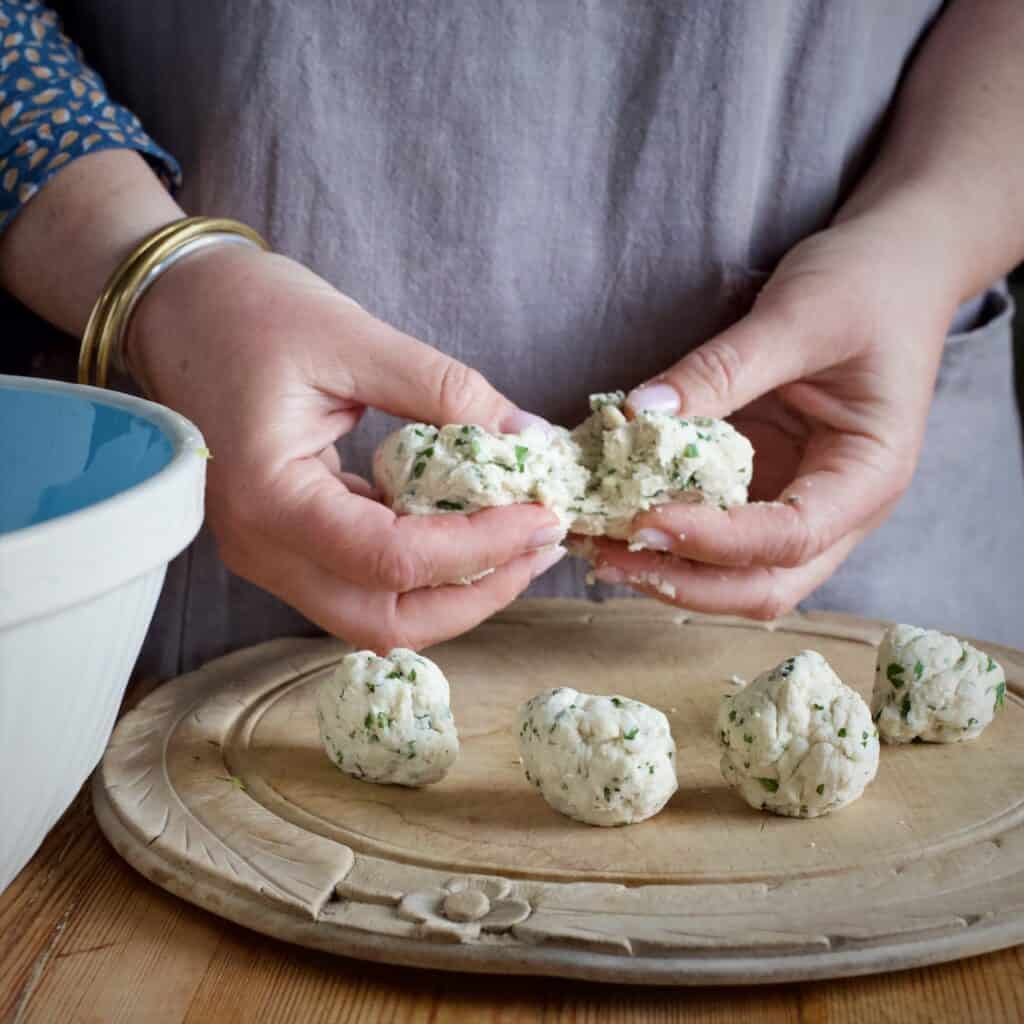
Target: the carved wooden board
pixel 216 788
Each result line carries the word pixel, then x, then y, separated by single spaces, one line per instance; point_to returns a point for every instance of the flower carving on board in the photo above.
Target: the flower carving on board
pixel 463 908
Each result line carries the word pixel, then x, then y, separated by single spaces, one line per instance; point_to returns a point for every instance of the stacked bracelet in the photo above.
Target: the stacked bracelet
pixel 157 253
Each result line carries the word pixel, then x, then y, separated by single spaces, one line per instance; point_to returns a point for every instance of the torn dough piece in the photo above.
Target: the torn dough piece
pixel 655 458
pixel 595 479
pixel 933 687
pixel 423 470
pixel 388 719
pixel 601 760
pixel 796 740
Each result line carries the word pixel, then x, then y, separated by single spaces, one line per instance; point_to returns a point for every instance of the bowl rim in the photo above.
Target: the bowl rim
pixel 96 548
pixel 180 432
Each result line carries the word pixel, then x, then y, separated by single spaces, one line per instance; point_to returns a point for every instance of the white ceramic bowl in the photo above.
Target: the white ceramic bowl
pixel 98 492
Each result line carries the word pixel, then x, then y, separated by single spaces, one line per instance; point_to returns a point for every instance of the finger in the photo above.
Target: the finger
pixel 382 621
pixel 422 612
pixel 405 377
pixel 835 492
pixel 363 542
pixel 358 485
pixel 756 593
pixel 331 459
pixel 757 354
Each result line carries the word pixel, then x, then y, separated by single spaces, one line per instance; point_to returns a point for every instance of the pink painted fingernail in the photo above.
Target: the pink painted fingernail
pixel 652 540
pixel 545 537
pixel 545 558
pixel 609 574
pixel 518 421
pixel 654 398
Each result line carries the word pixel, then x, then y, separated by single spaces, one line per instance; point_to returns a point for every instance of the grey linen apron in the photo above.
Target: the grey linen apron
pixel 567 196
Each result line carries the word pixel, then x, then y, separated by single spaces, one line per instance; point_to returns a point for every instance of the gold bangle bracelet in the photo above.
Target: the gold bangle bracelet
pixel 160 250
pixel 98 317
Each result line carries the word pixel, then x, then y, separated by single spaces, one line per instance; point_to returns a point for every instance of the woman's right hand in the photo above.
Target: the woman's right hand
pixel 274 365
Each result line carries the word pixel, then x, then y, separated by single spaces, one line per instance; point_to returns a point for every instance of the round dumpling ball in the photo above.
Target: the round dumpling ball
pixel 388 719
pixel 796 740
pixel 601 760
pixel 930 686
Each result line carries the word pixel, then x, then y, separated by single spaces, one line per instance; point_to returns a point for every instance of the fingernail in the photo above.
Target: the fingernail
pixel 546 537
pixel 518 421
pixel 652 540
pixel 543 560
pixel 609 574
pixel 654 398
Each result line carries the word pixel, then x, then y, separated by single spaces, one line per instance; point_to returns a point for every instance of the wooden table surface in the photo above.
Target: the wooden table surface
pixel 84 938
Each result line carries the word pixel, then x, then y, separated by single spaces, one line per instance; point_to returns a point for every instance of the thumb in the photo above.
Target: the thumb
pixel 400 375
pixel 755 355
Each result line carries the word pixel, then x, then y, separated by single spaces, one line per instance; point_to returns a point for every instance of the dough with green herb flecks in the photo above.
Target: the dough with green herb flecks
pixel 425 470
pixel 930 686
pixel 655 458
pixel 601 760
pixel 596 478
pixel 388 719
pixel 797 740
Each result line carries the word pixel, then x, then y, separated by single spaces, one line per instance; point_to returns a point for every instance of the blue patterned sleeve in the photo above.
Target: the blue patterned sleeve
pixel 53 108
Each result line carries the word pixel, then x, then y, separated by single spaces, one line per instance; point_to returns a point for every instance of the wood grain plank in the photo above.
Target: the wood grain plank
pixel 264 978
pixel 987 989
pixel 36 908
pixel 125 933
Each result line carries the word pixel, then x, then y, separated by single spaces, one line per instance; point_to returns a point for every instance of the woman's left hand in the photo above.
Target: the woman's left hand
pixel 831 377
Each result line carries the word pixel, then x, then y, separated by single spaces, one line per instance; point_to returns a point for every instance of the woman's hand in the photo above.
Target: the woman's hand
pixel 274 365
pixel 830 376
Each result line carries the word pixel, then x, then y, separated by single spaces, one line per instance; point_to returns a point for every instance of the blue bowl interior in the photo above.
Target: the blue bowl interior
pixel 61 452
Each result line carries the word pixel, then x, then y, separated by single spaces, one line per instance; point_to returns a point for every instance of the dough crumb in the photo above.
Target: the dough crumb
pixel 465 581
pixel 656 582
